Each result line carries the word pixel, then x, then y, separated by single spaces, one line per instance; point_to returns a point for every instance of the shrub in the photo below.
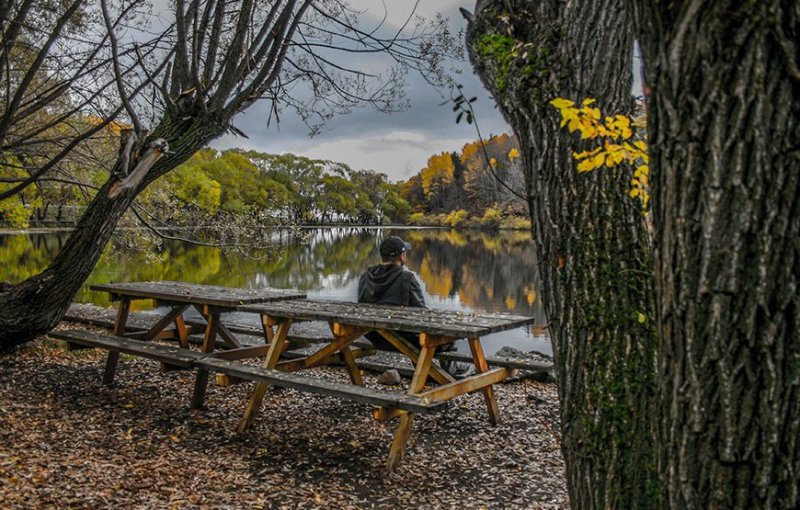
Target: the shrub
pixel 491 218
pixel 457 219
pixel 516 223
pixel 416 218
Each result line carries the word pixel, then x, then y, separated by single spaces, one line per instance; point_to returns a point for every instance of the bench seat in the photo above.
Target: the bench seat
pixel 185 358
pixel 321 386
pixel 176 356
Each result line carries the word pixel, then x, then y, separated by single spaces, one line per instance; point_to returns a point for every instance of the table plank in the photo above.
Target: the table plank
pixel 416 320
pixel 182 292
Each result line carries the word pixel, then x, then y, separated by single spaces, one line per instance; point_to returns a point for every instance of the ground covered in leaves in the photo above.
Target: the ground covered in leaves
pixel 68 441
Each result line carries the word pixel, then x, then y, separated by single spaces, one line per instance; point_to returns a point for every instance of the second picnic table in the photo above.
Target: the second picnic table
pixel 211 301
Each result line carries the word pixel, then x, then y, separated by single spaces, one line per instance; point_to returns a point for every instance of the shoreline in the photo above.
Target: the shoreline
pixel 49 230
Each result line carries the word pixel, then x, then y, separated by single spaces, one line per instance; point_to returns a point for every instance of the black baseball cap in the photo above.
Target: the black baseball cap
pixel 393 246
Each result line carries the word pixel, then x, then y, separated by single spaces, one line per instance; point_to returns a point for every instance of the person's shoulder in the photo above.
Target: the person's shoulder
pixel 410 275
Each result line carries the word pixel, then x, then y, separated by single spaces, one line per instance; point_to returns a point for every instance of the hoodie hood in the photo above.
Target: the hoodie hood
pixel 378 281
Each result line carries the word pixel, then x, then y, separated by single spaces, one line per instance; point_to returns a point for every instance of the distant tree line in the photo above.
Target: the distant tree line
pixel 282 188
pixel 286 188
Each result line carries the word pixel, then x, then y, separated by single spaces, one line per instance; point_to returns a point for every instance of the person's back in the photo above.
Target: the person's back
pixel 390 283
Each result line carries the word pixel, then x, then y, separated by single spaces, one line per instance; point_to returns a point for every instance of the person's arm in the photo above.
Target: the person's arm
pixel 415 295
pixel 362 289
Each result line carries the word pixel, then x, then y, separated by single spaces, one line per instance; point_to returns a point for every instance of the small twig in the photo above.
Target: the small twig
pixel 466 107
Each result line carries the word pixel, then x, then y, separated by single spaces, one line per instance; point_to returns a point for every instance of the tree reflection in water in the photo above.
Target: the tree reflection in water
pixel 458 270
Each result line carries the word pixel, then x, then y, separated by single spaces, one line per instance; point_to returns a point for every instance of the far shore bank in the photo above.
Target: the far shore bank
pixel 50 230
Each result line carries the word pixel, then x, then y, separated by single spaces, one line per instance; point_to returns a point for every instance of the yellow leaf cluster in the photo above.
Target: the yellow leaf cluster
pixel 618 144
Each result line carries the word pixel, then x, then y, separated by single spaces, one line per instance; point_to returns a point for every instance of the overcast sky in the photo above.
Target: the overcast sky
pixel 397 144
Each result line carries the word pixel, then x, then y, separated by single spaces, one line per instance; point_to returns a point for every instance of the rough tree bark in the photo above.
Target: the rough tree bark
pixel 595 259
pixel 723 114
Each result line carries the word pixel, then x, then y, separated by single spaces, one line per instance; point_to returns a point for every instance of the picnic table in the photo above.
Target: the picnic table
pixel 349 321
pixel 211 301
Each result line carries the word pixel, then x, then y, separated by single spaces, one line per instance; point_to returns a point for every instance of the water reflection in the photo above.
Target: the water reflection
pixel 458 270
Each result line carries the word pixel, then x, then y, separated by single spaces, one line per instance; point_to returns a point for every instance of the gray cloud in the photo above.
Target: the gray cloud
pixel 397 144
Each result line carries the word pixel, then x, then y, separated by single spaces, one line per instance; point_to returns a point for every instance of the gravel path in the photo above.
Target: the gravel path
pixel 67 441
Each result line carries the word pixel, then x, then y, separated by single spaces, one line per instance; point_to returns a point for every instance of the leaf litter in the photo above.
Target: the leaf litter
pixel 68 441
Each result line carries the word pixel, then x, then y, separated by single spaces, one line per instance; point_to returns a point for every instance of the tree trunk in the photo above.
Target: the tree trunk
pixel 37 304
pixel 725 156
pixel 594 256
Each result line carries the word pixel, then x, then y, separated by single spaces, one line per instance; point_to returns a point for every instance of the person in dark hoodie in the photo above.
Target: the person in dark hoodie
pixel 389 283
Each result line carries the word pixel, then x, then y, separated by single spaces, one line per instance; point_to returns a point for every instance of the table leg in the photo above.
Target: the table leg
pixel 183 332
pixel 119 329
pixel 404 428
pixel 201 382
pixel 158 327
pixel 273 354
pixel 352 368
pixel 482 366
pixel 402 345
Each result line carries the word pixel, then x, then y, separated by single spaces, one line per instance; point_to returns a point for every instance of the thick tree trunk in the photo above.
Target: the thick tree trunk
pixel 595 260
pixel 725 156
pixel 37 304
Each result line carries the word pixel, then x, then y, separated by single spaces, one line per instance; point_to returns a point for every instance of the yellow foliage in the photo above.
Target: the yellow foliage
pixel 510 302
pixel 114 127
pixel 438 174
pixel 513 153
pixel 612 130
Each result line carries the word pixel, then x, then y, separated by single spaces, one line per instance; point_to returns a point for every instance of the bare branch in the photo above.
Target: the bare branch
pixel 5 121
pixel 117 71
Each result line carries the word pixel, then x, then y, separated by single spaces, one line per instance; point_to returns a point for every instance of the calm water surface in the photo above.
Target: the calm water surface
pixel 457 270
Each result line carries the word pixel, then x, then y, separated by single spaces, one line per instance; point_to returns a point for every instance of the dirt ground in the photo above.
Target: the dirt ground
pixel 68 441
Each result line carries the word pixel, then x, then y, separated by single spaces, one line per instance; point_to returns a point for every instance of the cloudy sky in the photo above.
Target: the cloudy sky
pixel 397 144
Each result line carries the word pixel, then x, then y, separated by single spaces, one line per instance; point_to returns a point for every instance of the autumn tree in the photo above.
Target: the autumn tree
pixel 592 245
pixel 491 171
pixel 438 182
pixel 178 90
pixel 723 103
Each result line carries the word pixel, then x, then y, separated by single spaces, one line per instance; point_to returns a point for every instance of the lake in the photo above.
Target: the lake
pixel 458 270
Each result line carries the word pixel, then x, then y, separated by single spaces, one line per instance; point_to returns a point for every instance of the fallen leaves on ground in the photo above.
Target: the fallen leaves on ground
pixel 68 441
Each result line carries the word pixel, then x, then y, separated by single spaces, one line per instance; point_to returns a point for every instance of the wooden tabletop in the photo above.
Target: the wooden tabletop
pixel 416 320
pixel 192 293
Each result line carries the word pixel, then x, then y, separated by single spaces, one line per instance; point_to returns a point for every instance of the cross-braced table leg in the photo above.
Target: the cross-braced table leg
pixel 119 329
pixel 201 382
pixel 404 428
pixel 273 354
pixel 349 335
pixel 482 366
pixel 183 332
pixel 405 347
pixel 156 329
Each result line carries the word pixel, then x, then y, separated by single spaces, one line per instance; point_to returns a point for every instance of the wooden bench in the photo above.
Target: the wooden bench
pixel 186 359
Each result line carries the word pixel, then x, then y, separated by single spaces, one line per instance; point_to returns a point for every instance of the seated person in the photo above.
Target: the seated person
pixel 389 283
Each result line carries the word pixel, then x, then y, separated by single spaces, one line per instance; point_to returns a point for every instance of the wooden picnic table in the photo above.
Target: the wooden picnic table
pixel 210 300
pixel 349 321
